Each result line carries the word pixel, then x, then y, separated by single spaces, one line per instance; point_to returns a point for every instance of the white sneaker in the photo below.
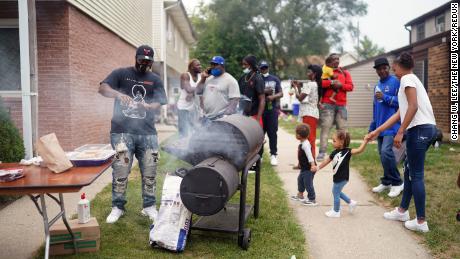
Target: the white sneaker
pixel 396 215
pixel 381 188
pixel 414 226
pixel 333 214
pixel 114 215
pixel 395 190
pixel 151 212
pixel 273 160
pixel 352 205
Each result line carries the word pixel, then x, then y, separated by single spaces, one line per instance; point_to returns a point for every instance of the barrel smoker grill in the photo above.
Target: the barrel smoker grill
pixel 218 152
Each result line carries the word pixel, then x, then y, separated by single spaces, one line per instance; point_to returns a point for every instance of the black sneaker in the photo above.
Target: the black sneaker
pixel 309 203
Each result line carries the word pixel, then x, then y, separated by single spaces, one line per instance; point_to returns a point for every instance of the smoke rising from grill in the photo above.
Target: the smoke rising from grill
pixel 236 138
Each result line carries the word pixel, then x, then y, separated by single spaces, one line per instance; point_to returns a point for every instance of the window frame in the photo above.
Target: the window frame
pixel 418 27
pixel 443 23
pixel 10 24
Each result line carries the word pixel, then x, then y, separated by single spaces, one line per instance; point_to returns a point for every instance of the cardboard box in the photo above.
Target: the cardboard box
pixel 87 235
pixel 67 247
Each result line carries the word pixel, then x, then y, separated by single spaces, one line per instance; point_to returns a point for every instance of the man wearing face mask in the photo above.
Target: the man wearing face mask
pixel 273 94
pixel 219 89
pixel 138 93
pixel 252 86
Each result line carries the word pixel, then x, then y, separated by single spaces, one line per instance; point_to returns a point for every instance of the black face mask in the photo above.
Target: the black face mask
pixel 143 68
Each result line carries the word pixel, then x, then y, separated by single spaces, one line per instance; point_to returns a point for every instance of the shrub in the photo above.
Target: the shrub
pixel 11 143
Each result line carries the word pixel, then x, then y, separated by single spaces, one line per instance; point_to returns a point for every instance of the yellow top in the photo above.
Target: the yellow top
pixel 328 72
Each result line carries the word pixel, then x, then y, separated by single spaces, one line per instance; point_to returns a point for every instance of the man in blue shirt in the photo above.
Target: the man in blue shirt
pixel 273 94
pixel 385 105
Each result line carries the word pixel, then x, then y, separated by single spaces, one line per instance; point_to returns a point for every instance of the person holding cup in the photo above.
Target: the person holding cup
pixel 419 125
pixel 385 105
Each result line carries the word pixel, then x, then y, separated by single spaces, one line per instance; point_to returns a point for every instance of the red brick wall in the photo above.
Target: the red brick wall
pixel 53 71
pixel 439 84
pixel 94 52
pixel 9 10
pixel 74 54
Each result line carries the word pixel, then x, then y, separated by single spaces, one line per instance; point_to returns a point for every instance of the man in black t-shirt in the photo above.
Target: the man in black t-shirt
pixel 138 93
pixel 252 86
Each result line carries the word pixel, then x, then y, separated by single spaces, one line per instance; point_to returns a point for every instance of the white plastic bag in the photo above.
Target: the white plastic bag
pixel 173 222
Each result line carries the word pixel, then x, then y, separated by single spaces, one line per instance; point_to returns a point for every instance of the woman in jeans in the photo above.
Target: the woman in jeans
pixel 419 125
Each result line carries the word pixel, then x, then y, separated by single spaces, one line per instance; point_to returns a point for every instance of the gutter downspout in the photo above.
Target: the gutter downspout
pixel 410 34
pixel 165 67
pixel 25 77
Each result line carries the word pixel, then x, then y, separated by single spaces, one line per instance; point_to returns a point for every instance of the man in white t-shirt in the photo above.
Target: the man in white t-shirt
pixel 220 90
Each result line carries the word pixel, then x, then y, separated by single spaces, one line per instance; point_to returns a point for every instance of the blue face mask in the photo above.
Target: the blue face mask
pixel 216 72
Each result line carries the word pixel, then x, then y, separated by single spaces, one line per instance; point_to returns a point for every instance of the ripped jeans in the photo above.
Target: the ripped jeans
pixel 328 116
pixel 145 148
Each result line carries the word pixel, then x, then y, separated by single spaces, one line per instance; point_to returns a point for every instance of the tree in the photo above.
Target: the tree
pixel 367 49
pixel 11 144
pixel 284 31
pixel 224 37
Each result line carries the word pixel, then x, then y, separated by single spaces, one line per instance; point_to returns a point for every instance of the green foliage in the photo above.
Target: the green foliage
pixel 367 49
pixel 227 38
pixel 280 31
pixel 11 144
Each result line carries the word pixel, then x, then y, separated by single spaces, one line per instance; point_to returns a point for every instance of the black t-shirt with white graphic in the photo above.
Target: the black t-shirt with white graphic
pixel 341 164
pixel 142 87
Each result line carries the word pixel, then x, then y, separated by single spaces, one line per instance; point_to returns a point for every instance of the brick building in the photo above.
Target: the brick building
pixel 76 44
pixel 429 37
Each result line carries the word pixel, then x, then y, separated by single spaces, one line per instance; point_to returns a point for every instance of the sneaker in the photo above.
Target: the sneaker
pixel 320 157
pixel 333 214
pixel 297 198
pixel 114 215
pixel 273 160
pixel 395 190
pixel 414 226
pixel 381 188
pixel 352 205
pixel 309 203
pixel 151 212
pixel 396 215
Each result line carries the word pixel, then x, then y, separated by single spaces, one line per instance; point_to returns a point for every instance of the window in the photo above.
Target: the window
pixel 421 71
pixel 440 23
pixel 10 70
pixel 420 31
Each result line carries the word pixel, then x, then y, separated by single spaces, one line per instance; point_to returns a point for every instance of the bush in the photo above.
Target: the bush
pixel 11 143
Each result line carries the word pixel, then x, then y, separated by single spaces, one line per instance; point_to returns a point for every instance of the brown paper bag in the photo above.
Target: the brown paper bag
pixel 52 154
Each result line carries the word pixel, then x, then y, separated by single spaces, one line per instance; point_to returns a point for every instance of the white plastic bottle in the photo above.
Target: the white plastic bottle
pixel 83 210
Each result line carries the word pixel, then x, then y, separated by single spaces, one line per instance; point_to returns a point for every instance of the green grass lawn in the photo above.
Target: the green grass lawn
pixel 275 234
pixel 443 195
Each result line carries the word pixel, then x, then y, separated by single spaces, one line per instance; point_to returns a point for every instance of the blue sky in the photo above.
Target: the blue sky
pixel 384 22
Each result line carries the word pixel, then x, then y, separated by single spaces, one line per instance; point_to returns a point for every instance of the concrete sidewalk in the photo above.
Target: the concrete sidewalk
pixel 363 234
pixel 21 226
